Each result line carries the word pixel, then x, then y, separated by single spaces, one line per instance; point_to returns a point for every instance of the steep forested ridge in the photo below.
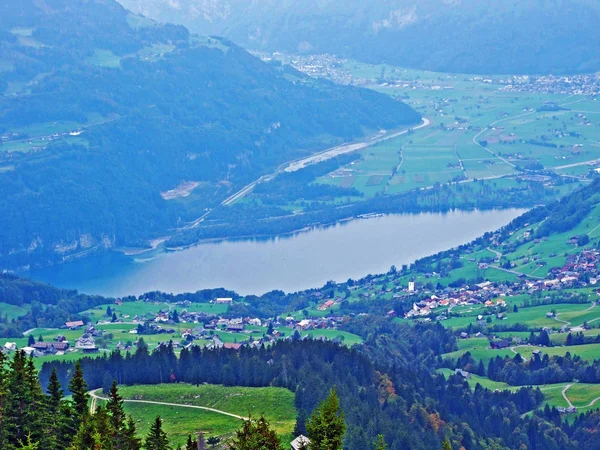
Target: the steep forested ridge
pixel 467 36
pixel 149 107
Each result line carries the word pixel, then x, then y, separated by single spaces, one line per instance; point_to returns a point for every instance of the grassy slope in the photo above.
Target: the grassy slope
pixel 277 404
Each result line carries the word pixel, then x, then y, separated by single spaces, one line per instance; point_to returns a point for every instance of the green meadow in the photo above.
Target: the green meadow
pixel 277 404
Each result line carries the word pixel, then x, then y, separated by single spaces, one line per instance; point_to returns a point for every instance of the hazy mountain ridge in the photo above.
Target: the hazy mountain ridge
pixel 151 107
pixel 468 36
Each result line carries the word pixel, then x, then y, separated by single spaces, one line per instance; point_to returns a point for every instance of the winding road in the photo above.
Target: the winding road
pixel 96 397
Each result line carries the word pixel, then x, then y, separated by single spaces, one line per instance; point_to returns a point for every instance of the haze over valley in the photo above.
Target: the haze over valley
pixel 322 225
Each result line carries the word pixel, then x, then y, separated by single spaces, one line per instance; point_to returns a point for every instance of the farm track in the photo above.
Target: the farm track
pixel 96 397
pixel 514 272
pixel 512 349
pixel 516 117
pixel 578 328
pixel 497 253
pixel 564 394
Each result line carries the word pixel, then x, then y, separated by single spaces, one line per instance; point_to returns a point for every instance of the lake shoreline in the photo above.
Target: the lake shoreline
pixel 302 260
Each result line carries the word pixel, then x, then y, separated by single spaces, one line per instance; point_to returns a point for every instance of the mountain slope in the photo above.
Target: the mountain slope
pixel 467 36
pixel 109 121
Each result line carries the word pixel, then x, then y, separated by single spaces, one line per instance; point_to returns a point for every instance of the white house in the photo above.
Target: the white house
pixel 301 442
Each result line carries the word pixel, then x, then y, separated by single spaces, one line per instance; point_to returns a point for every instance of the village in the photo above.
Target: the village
pixel 169 327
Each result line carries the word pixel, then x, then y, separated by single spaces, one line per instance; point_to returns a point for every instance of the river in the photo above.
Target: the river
pixel 304 260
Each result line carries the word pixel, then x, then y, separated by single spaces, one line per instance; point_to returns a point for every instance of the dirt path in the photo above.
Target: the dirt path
pixel 595 228
pixel 512 349
pixel 591 403
pixel 96 397
pixel 514 272
pixel 564 394
pixel 497 253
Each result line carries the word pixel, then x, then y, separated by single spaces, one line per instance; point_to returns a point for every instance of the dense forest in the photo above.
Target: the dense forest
pixel 385 388
pixel 152 107
pixel 31 419
pixel 512 36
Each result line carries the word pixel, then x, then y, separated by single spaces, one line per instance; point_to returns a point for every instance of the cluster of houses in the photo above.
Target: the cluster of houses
pixel 584 84
pixel 580 270
pixel 486 293
pixel 203 326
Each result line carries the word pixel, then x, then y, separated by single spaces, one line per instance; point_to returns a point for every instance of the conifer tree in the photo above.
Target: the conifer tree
pixel 256 435
pixel 326 426
pixel 157 438
pixel 191 444
pixel 24 410
pixel 78 388
pixel 132 442
pixel 115 408
pixel 446 445
pixel 380 443
pixel 92 432
pixel 213 441
pixel 3 378
pixel 29 444
pixel 57 429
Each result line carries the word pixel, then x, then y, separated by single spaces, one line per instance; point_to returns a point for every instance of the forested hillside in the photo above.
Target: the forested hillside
pixel 109 121
pixel 466 36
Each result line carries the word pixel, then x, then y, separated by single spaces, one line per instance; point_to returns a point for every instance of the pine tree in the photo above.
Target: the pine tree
pixel 446 445
pixel 117 416
pixel 29 445
pixel 326 426
pixel 37 409
pixel 132 442
pixel 256 435
pixel 57 432
pixel 24 407
pixel 107 381
pixel 380 443
pixel 3 379
pixel 30 340
pixel 78 388
pixel 213 441
pixel 157 438
pixel 92 433
pixel 191 444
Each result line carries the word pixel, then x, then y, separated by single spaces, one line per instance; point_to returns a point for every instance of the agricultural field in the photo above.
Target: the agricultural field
pixel 480 349
pixel 123 332
pixel 477 133
pixel 12 311
pixel 347 339
pixel 141 309
pixel 104 58
pixel 277 404
pixel 584 397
